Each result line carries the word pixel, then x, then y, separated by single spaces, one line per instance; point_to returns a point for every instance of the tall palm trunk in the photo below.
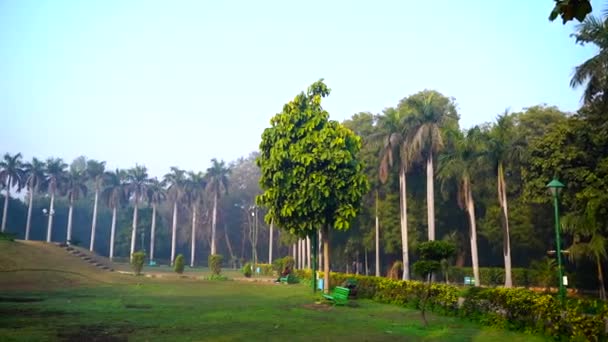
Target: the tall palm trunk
pixel 325 237
pixel 470 207
pixel 430 197
pixel 173 232
pixel 5 210
pixel 600 277
pixel 270 244
pixel 193 239
pixel 377 239
pixel 134 229
pixel 28 223
pixel 213 221
pixel 229 245
pixel 403 216
pixel 502 198
pixel 94 222
pixel 49 227
pixel 70 211
pixel 112 232
pixel 152 231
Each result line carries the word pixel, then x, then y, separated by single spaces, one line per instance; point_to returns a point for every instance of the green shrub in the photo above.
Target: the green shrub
pixel 7 236
pixel 217 277
pixel 178 266
pixel 266 269
pixel 247 270
pixel 137 262
pixel 493 276
pixel 215 263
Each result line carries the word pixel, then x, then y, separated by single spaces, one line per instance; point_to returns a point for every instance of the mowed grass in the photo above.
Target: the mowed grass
pixel 117 307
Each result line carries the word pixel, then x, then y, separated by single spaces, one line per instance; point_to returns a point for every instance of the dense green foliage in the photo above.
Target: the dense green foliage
pixel 247 270
pixel 178 267
pixel 137 262
pixel 215 263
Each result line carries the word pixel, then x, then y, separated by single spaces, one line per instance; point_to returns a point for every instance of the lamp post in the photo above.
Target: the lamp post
pixel 49 214
pixel 555 186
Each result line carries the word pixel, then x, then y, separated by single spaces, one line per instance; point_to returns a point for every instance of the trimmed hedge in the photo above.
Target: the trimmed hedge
pixel 515 308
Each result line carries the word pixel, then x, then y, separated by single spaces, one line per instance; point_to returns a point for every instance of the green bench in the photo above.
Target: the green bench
pixel 288 279
pixel 339 296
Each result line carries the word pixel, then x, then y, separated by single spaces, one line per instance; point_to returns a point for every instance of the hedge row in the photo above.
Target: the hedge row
pixel 494 276
pixel 515 309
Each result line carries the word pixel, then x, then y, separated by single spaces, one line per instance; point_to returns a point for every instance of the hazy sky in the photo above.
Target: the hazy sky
pixel 165 83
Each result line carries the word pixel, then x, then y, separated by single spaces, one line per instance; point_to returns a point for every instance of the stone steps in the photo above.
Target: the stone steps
pixel 86 257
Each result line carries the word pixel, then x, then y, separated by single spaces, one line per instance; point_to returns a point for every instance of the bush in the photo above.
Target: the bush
pixel 7 236
pixel 279 264
pixel 217 277
pixel 396 270
pixel 215 263
pixel 494 276
pixel 266 269
pixel 137 262
pixel 247 270
pixel 178 267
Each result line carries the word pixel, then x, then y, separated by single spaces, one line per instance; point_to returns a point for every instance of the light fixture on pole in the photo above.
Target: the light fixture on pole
pixel 555 186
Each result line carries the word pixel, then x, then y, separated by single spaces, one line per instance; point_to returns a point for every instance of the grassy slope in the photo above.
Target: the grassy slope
pixel 113 307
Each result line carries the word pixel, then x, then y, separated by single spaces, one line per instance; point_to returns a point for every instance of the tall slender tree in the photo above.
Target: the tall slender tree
pixel 156 193
pixel 75 187
pixel 217 184
pixel 175 192
pixel 137 182
pixel 194 191
pixel 35 175
pixel 113 195
pixel 55 180
pixel 11 175
pixel 95 171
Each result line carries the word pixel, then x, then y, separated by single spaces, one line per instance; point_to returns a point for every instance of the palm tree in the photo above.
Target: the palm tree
pixel 217 183
pixel 501 148
pixel 460 163
pixel 55 179
pixel 194 190
pixel 432 112
pixel 175 180
pixel 594 71
pixel 393 127
pixel 137 178
pixel 11 175
pixel 75 187
pixel 156 194
pixel 34 173
pixel 113 194
pixel 95 171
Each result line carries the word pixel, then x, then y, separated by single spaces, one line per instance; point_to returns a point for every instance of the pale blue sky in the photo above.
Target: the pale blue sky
pixel 165 83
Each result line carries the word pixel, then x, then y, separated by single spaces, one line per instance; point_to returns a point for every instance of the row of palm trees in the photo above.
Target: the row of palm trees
pixel 115 188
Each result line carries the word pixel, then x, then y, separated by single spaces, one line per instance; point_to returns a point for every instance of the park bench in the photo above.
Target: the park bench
pixel 339 296
pixel 288 279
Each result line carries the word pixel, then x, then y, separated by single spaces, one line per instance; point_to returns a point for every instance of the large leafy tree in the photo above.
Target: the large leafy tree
pixel 217 184
pixel 311 177
pixel 137 182
pixel 56 175
pixel 156 194
pixel 113 195
pixel 35 175
pixel 95 172
pixel 431 114
pixel 75 188
pixel 11 175
pixel 175 181
pixel 194 191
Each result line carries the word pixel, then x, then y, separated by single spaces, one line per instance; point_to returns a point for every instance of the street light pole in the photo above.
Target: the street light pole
pixel 555 186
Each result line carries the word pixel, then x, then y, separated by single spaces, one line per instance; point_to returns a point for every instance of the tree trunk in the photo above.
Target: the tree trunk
pixel 403 216
pixel 320 252
pixel 430 197
pixel 295 255
pixel 307 253
pixel 70 210
pixel 193 238
pixel 6 198
pixel 270 244
pixel 213 221
pixel 378 239
pixel 600 278
pixel 94 223
pixel 173 232
pixel 502 198
pixel 134 230
pixel 325 237
pixel 473 230
pixel 29 213
pixel 112 232
pixel 49 228
pixel 229 245
pixel 152 232
pixel 366 268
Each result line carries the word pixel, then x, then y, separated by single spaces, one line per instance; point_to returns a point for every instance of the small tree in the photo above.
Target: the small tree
pixel 179 264
pixel 430 254
pixel 215 263
pixel 137 262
